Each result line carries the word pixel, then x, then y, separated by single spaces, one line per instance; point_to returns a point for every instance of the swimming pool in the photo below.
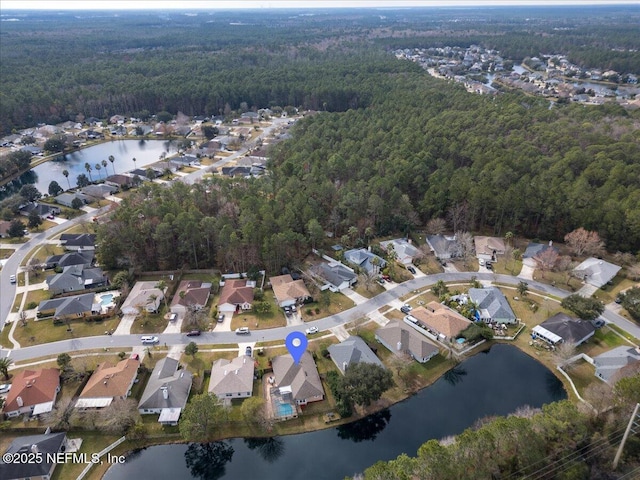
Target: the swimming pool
pixel 284 409
pixel 106 299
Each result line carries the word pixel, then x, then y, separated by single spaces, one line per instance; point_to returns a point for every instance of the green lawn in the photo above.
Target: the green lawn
pixel 608 293
pixel 37 296
pixel 337 303
pixel 374 289
pixel 149 322
pixel 17 302
pixel 604 339
pixel 6 252
pixel 253 320
pixel 582 374
pixel 44 331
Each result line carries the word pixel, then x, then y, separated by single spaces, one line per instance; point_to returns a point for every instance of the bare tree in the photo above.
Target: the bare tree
pixel 120 416
pixel 458 216
pixel 34 266
pixel 584 242
pixel 368 279
pixel 563 353
pixel 599 396
pixel 436 226
pixel 22 316
pixel 546 260
pixel 624 258
pixel 465 246
pixel 565 265
pixel 633 271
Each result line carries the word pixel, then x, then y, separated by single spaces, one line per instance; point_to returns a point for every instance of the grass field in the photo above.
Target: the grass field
pixel 44 331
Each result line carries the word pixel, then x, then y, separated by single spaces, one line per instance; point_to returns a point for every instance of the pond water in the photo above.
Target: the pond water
pixel 145 152
pixel 495 382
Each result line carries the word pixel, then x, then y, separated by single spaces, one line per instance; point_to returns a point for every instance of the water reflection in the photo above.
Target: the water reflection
pixel 454 376
pixel 207 461
pixel 270 449
pixel 366 429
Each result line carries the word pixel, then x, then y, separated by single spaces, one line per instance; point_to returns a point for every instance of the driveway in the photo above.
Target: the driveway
pixel 355 297
pixel 124 327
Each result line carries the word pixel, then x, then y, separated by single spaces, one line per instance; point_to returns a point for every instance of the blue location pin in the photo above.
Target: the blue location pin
pixel 296 343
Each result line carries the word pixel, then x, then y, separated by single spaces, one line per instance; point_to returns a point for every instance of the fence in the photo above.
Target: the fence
pixel 101 454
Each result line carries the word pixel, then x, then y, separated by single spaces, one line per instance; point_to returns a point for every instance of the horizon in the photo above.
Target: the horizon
pixel 123 5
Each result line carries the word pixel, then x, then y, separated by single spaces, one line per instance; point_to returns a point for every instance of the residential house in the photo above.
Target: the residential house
pixel 190 294
pixel 236 171
pixel 98 191
pixel 443 247
pixel 289 291
pixel 365 260
pixel 251 161
pixel 120 181
pixel 48 445
pixel 405 251
pixel 32 149
pixel 492 305
pixel 166 392
pixel 78 241
pixel 596 272
pixel 109 382
pixel 563 328
pixel 70 308
pixel 42 209
pixel 439 320
pixel 403 340
pixel 533 250
pixel 232 378
pixel 84 258
pixel 74 278
pixel 32 392
pixel 337 276
pixel 302 379
pixel 351 351
pixel 487 248
pixel 236 295
pixel 610 364
pixel 143 295
pixel 66 199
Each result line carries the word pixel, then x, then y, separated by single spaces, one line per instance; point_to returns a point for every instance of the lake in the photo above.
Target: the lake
pixel 145 152
pixel 494 382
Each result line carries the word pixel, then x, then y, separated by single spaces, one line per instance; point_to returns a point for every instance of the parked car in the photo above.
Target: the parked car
pixel 12 279
pixel 243 331
pixel 386 277
pixel 481 262
pixel 412 270
pixel 149 340
pixel 311 330
pixel 405 308
pixel 5 387
pixel 135 356
pixel 51 216
pixel 598 323
pixel 489 266
pixel 194 333
pixel 248 351
pixel 221 318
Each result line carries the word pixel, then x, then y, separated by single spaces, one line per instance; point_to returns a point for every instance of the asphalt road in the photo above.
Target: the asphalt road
pixel 115 342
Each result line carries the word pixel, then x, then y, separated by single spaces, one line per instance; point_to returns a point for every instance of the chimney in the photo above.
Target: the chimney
pixel 225 372
pixel 399 346
pixel 344 366
pixel 236 372
pixel 19 401
pixel 34 448
pixel 165 393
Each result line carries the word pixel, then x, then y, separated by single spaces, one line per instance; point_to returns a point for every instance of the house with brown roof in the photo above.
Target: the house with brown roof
pixel 232 378
pixel 32 392
pixel 143 295
pixel 300 379
pixel 439 320
pixel 289 291
pixel 190 294
pixel 108 383
pixel 236 295
pixel 488 247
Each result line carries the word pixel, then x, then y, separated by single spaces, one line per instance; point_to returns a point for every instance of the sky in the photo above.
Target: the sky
pixel 258 4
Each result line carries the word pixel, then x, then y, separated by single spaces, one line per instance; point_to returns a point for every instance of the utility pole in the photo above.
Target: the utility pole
pixel 634 422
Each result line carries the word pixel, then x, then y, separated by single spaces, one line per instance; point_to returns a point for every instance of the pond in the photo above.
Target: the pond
pixel 495 382
pixel 145 152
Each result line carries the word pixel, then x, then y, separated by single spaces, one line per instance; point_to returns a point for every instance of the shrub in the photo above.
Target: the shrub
pixel 31 305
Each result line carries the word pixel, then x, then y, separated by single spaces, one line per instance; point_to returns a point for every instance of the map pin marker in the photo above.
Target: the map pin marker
pixel 296 343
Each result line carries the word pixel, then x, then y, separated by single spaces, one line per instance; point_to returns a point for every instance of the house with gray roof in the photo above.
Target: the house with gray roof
pixel 609 364
pixel 232 378
pixel 68 259
pixel 166 392
pixel 563 328
pixel 78 241
pixel 535 249
pixel 365 260
pixel 336 276
pixel 70 307
pixel 401 339
pixel 74 278
pixel 143 295
pixel 42 209
pixel 48 445
pixel 444 247
pixel 596 272
pixel 351 351
pixel 492 305
pixel 300 379
pixel 67 198
pixel 404 250
pixel 98 191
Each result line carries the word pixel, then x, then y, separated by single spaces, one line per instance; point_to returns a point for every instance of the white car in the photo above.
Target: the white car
pixel 5 387
pixel 243 331
pixel 149 340
pixel 311 330
pixel 12 279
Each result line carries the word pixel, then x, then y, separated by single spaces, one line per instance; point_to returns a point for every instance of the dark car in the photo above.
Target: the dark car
pixel 405 309
pixel 248 351
pixel 221 318
pixel 412 270
pixel 194 333
pixel 489 266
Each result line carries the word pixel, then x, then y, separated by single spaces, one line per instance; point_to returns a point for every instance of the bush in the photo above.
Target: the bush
pixel 31 305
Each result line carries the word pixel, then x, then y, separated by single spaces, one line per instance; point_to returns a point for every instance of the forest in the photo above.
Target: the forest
pixel 73 65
